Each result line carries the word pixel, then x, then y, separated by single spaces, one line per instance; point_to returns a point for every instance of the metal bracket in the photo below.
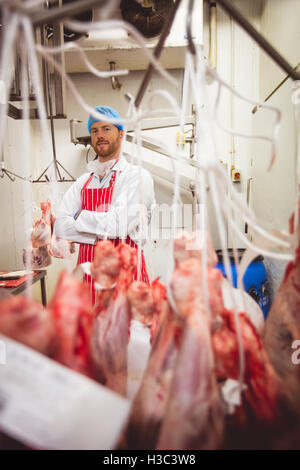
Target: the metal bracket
pixel 61 179
pixel 116 85
pixel 10 174
pixel 16 113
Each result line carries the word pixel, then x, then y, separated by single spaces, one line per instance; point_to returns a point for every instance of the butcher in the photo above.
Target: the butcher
pixel 105 203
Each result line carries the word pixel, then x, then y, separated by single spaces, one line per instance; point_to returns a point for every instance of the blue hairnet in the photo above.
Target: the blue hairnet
pixel 106 111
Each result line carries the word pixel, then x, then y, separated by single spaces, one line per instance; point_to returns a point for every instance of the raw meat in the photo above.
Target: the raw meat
pixel 43 236
pixel 73 319
pixel 194 417
pixel 60 248
pixel 36 258
pixel 149 405
pixel 29 322
pixel 263 387
pixel 282 326
pixel 148 307
pixel 260 377
pixel 189 246
pixel 113 268
pixel 159 293
pixel 106 266
pixel 262 394
pixel 109 344
pixel 186 293
pixel 195 412
pixel 150 402
pixel 141 302
pixel 41 232
pixel 263 384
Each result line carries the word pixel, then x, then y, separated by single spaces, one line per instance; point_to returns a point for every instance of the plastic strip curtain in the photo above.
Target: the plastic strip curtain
pixel 224 196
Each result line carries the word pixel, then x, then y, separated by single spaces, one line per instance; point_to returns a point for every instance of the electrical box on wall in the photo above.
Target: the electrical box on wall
pixel 115 45
pixel 236 175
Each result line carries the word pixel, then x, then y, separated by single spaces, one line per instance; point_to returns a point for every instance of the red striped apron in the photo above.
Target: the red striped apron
pixel 99 200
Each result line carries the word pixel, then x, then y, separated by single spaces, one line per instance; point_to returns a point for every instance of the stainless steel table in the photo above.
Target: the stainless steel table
pixel 6 291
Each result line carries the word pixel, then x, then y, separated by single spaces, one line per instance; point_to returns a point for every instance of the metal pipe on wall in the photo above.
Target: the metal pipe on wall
pixel 232 84
pixel 263 43
pixel 194 206
pixel 213 37
pixel 158 50
pixel 194 211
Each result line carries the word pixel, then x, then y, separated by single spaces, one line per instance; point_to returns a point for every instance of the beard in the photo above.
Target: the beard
pixel 107 149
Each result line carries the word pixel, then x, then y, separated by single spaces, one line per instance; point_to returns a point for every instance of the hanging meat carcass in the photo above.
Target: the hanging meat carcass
pixel 259 418
pixel 149 405
pixel 41 232
pixel 44 243
pixel 194 417
pixel 27 321
pixel 112 269
pixel 105 271
pixel 261 414
pixel 147 303
pixel 60 248
pixel 282 327
pixel 187 246
pixel 62 331
pixel 36 258
pixel 107 265
pixel 160 299
pixel 73 320
pixel 142 309
pixel 262 383
pixel 141 302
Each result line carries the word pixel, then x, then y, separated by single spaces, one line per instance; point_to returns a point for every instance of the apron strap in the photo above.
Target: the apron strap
pixel 87 182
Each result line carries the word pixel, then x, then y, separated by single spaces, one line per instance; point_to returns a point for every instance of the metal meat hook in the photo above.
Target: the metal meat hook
pixel 114 80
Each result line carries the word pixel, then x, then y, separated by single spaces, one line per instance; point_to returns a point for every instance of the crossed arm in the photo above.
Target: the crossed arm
pixel 123 217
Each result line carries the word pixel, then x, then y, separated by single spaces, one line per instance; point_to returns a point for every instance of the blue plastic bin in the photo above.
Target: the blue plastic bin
pixel 255 279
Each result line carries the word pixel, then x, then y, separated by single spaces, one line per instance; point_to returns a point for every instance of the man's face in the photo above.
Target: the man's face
pixel 106 140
